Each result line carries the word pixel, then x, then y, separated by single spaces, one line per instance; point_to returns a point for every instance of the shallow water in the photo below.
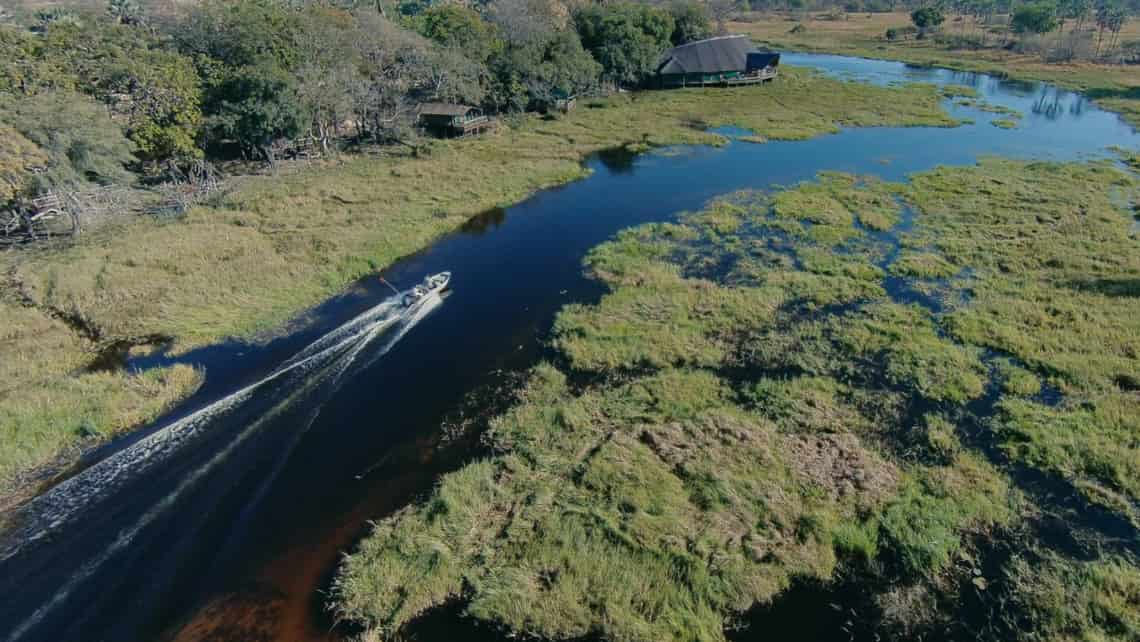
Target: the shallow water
pixel 241 529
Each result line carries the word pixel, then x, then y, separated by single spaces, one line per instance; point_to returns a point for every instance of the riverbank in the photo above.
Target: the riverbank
pixel 1114 87
pixel 280 244
pixel 888 379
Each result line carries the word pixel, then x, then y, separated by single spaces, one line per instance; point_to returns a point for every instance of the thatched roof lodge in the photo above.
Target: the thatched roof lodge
pixel 724 60
pixel 450 119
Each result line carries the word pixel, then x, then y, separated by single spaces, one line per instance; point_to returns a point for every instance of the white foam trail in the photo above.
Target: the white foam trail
pixel 55 507
pixel 361 322
pixel 367 332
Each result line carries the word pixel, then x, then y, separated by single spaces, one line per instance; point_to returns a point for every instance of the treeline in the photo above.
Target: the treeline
pixel 1093 27
pixel 87 96
pixel 961 7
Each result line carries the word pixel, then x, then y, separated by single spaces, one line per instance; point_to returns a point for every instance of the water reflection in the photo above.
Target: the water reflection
pixel 482 222
pixel 618 160
pixel 1045 104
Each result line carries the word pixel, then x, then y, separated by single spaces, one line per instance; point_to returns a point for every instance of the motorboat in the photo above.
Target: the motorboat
pixel 433 284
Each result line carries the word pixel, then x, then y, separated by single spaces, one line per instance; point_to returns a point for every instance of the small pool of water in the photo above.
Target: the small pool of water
pixel 238 533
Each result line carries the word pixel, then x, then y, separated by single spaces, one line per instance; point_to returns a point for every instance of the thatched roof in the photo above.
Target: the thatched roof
pixel 444 109
pixel 714 55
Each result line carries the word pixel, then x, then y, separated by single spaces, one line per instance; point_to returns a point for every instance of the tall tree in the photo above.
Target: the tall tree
pixel 522 21
pixel 160 94
pixel 626 38
pixel 1110 17
pixel 690 22
pixel 255 106
pixel 460 28
pixel 1079 11
pixel 536 73
pixel 251 32
pixel 394 65
pixel 927 19
pixel 721 11
pixel 1036 18
pixel 327 68
pixel 127 12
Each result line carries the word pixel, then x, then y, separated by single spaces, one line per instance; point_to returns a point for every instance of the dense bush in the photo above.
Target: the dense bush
pixel 690 22
pixel 1130 52
pixel 960 40
pixel 75 135
pixel 901 33
pixel 218 77
pixel 1034 18
pixel 626 38
pixel 927 19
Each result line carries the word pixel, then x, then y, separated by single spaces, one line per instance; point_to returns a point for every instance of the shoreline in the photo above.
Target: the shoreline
pixel 833 37
pixel 251 308
pixel 595 488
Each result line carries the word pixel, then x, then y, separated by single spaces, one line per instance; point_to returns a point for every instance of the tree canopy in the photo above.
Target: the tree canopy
pixel 219 77
pixel 625 38
pixel 927 18
pixel 1039 17
pixel 690 22
pixel 460 28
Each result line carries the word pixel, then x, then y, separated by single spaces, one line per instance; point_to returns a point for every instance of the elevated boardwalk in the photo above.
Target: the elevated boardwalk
pixel 727 80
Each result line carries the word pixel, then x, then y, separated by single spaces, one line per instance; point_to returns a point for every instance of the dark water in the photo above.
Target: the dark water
pixel 238 531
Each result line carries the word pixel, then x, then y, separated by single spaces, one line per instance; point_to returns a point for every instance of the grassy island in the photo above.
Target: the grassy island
pixel 849 374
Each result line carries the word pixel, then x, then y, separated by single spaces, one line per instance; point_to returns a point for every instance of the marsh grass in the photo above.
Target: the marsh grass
pixel 38 423
pixel 1064 598
pixel 923 265
pixel 645 511
pixel 788 415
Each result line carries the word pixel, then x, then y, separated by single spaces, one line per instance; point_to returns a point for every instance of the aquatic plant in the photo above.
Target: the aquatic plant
pixel 737 427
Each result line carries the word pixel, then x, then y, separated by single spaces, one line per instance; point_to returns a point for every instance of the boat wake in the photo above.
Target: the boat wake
pixel 322 365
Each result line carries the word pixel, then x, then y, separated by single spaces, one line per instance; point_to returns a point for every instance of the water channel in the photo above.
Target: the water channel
pixel 234 531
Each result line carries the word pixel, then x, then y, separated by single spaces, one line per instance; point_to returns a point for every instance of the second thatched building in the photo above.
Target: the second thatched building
pixel 723 61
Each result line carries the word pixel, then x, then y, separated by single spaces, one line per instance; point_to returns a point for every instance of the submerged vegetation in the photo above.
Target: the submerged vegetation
pixel 845 374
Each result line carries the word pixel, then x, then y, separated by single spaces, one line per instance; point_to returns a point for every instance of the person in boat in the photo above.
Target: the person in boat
pixel 432 283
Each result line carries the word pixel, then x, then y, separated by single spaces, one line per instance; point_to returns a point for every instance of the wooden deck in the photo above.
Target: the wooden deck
pixel 754 78
pixel 473 126
pixel 764 75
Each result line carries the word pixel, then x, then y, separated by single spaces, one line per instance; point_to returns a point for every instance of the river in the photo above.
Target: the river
pixel 232 524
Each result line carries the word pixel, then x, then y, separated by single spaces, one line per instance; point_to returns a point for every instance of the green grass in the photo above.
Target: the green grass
pixel 1004 123
pixel 1065 599
pixel 1127 156
pixel 1012 113
pixel 1016 380
pixel 17 156
pixel 924 524
pixel 38 424
pixel 787 417
pixel 913 354
pixel 923 265
pixel 51 408
pixel 280 244
pixel 645 512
